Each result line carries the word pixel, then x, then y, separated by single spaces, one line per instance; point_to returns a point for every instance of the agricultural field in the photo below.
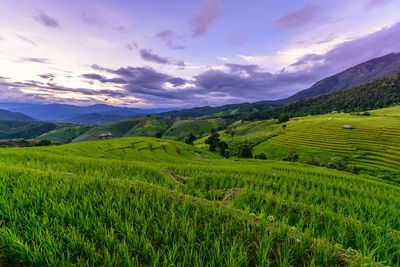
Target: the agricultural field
pixel 151 126
pixel 373 144
pixel 147 201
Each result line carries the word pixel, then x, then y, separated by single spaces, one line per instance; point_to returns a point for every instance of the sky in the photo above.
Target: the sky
pixel 184 53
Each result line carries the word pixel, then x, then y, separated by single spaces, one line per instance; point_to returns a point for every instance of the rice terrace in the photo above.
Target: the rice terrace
pixel 200 133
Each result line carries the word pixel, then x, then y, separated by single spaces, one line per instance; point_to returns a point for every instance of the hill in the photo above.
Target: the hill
pixel 65 134
pixel 24 129
pixel 97 118
pixel 146 201
pixel 372 95
pixel 6 115
pixel 154 125
pixel 362 73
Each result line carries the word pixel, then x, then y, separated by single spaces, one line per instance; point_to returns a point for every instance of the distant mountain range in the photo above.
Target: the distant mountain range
pixel 14 116
pixel 94 114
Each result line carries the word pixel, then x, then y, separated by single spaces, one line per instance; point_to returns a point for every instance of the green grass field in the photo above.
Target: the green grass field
pixel 157 202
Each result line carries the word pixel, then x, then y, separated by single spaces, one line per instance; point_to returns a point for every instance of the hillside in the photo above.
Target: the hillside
pixel 65 134
pixel 376 94
pixel 370 147
pixel 362 73
pixel 166 202
pixel 24 129
pixel 152 126
pixel 6 115
pixel 96 118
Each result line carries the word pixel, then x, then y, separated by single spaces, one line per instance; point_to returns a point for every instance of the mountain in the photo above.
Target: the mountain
pixel 365 72
pixel 379 93
pixel 64 113
pixel 98 118
pixel 17 116
pixel 361 73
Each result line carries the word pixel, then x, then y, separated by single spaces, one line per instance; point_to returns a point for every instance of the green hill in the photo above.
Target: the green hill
pixel 153 125
pixel 64 134
pixel 24 129
pixel 145 201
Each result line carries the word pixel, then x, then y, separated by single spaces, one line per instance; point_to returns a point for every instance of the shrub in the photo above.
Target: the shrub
pixel 245 151
pixel 313 161
pixel 284 126
pixel 260 156
pixel 284 117
pixel 337 163
pixel 366 113
pixel 352 169
pixel 43 143
pixel 158 135
pixel 190 139
pixel 292 156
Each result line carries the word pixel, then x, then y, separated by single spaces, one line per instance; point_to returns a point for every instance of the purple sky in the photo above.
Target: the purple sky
pixel 181 53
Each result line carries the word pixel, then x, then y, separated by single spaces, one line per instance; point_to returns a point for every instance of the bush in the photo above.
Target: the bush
pixel 245 151
pixel 158 135
pixel 190 139
pixel 313 161
pixel 284 126
pixel 352 169
pixel 337 163
pixel 260 156
pixel 366 113
pixel 292 156
pixel 43 143
pixel 284 117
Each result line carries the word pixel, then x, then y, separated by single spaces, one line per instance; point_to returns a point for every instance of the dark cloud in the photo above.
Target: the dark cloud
pixel 131 46
pixel 205 17
pixel 122 29
pixel 35 60
pixel 47 76
pixel 169 38
pixel 149 56
pixel 93 76
pixel 24 39
pixel 90 20
pixel 299 17
pixel 45 19
pixel 238 39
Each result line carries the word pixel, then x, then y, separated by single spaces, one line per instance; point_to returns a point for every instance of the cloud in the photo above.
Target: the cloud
pixel 205 18
pixel 45 19
pixel 298 18
pixel 169 38
pixel 91 21
pixel 353 52
pixel 47 76
pixel 238 40
pixel 35 60
pixel 376 3
pixel 151 57
pixel 122 29
pixel 131 46
pixel 24 39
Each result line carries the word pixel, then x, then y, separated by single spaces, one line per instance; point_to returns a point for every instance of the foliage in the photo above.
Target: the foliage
pixel 313 161
pixel 292 155
pixel 337 163
pixel 43 142
pixel 260 156
pixel 190 139
pixel 284 117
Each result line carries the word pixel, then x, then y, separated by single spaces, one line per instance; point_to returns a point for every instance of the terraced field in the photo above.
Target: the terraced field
pixel 374 143
pixel 146 201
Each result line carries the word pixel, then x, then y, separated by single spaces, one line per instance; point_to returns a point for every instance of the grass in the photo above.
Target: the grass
pixel 146 201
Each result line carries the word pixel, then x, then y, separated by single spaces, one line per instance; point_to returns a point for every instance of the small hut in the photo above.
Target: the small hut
pixel 348 127
pixel 105 136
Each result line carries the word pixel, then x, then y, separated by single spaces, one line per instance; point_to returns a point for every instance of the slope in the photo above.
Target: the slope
pixel 10 116
pixel 146 201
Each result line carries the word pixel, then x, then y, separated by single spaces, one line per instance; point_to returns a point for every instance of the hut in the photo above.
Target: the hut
pixel 103 136
pixel 348 127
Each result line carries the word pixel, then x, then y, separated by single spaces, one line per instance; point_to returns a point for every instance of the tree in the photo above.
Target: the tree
pixel 245 151
pixel 43 142
pixel 222 147
pixel 260 156
pixel 158 135
pixel 213 140
pixel 284 117
pixel 190 139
